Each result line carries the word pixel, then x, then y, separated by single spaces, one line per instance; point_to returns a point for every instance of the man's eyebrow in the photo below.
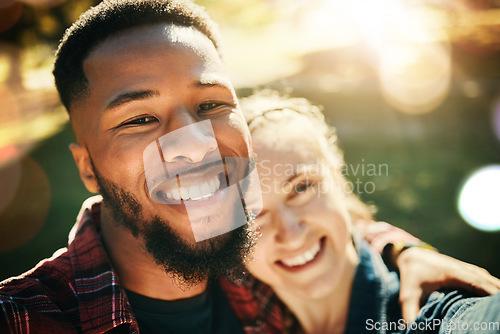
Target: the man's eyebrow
pixel 131 96
pixel 213 81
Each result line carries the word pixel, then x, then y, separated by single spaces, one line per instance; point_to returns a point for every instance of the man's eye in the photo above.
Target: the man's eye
pixel 210 106
pixel 140 121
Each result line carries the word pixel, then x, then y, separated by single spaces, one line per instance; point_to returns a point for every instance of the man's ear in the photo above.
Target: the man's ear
pixel 82 160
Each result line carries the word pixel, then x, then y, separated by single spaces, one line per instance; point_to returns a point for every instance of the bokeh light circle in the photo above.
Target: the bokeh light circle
pixel 415 78
pixel 9 15
pixel 479 199
pixel 27 210
pixel 10 174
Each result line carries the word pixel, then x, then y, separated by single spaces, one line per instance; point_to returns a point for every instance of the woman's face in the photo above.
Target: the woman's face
pixel 305 245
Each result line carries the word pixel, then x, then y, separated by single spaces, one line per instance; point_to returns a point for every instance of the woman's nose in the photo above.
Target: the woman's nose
pixel 290 227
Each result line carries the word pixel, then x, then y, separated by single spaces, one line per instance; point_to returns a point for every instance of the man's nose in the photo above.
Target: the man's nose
pixel 190 141
pixel 290 227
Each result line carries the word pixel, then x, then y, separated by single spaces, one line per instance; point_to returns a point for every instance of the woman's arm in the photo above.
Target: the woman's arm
pixel 422 270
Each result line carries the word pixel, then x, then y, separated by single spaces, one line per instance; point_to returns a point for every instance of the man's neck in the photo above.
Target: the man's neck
pixel 136 269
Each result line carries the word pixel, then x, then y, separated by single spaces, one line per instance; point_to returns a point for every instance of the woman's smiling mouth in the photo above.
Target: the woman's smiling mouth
pixel 304 259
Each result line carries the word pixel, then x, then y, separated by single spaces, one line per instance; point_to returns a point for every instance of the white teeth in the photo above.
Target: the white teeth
pixel 205 190
pixel 184 193
pixel 195 192
pixel 304 257
pixel 175 194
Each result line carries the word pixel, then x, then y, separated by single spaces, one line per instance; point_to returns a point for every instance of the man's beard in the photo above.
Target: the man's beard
pixel 190 264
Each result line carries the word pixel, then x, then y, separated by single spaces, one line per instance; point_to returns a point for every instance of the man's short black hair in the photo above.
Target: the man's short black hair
pixel 108 18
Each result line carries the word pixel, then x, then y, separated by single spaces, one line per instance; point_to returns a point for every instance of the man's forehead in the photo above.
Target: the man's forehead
pixel 155 35
pixel 158 39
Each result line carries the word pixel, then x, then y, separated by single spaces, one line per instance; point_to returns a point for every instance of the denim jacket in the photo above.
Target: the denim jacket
pixel 374 305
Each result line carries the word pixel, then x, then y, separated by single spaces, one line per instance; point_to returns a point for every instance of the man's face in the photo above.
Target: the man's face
pixel 144 83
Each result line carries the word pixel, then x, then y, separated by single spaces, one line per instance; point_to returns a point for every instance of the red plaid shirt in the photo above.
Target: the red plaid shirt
pixel 77 291
pixel 73 291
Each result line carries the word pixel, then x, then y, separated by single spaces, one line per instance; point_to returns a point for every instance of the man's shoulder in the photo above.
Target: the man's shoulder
pixel 47 276
pixel 43 295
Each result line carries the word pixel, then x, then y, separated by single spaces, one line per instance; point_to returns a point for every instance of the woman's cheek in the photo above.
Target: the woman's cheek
pixel 258 265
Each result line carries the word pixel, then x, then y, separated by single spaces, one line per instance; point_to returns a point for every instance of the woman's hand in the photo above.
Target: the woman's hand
pixel 423 271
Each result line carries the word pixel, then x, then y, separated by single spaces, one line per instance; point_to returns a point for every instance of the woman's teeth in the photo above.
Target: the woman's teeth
pixel 304 257
pixel 195 192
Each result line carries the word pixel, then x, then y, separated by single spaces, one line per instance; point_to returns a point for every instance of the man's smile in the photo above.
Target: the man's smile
pixel 196 184
pixel 185 189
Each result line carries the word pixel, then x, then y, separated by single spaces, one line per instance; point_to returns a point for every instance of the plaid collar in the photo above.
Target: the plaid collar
pixel 104 306
pixel 102 303
pixel 256 305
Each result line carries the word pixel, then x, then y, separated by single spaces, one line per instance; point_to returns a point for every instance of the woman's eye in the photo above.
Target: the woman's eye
pixel 301 187
pixel 141 121
pixel 302 193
